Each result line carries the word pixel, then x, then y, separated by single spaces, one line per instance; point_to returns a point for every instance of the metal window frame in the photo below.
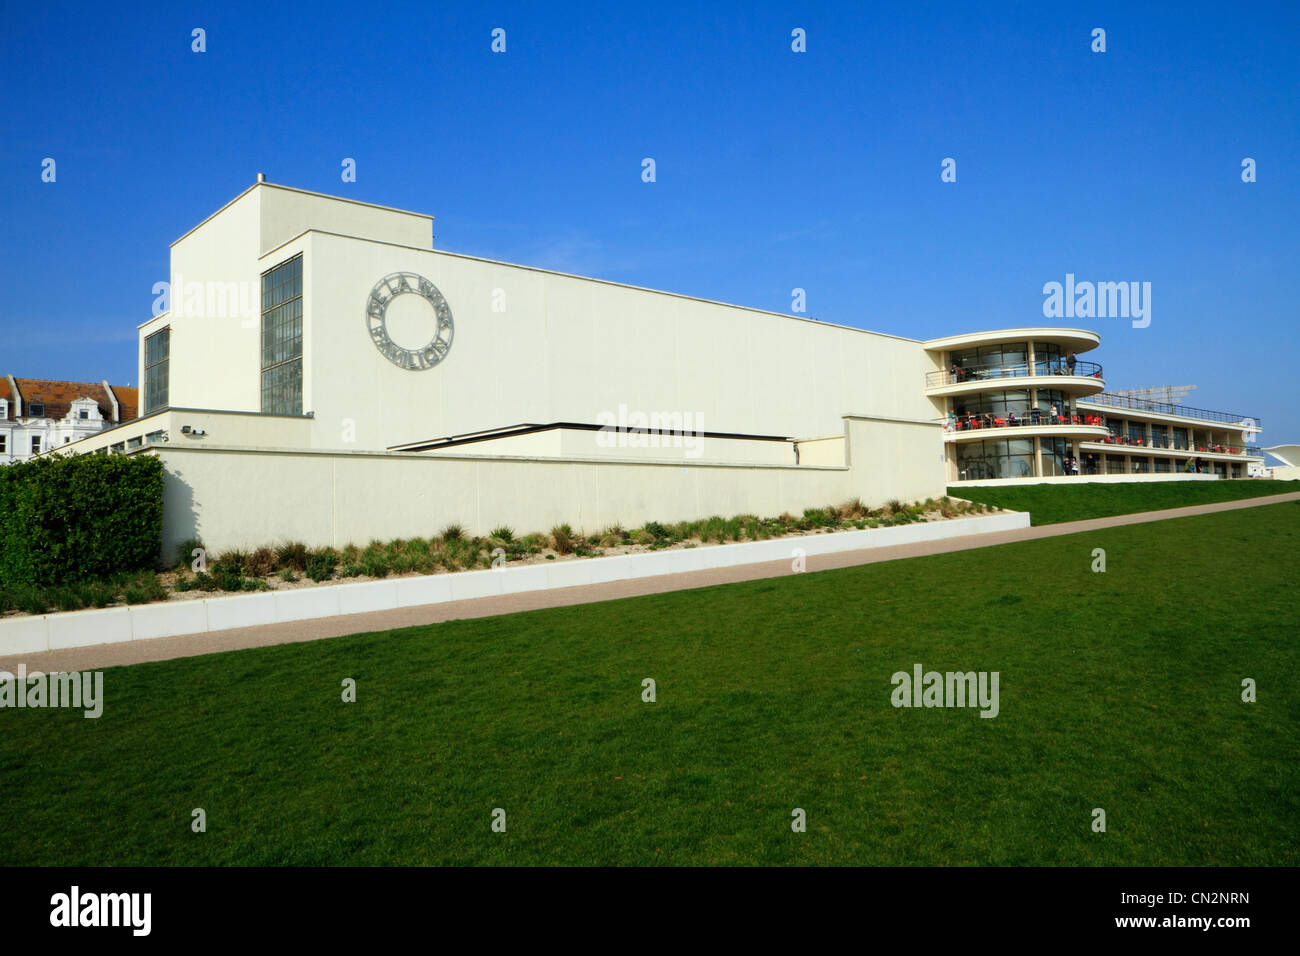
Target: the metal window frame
pixel 150 403
pixel 271 303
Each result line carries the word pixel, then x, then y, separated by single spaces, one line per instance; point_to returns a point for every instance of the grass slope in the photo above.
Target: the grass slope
pixel 1051 504
pixel 1118 690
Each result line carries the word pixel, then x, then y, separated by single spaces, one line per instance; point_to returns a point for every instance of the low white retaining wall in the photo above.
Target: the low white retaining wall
pixel 51 632
pixel 1084 479
pixel 330 498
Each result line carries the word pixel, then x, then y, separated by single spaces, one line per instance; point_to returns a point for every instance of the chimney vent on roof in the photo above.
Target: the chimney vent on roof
pixel 261 177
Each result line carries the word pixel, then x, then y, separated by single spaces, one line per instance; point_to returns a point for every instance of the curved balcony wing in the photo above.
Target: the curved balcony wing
pixel 994 373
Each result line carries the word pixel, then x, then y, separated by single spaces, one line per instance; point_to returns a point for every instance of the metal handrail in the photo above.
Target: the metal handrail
pixel 1169 444
pixel 981 373
pixel 1028 420
pixel 1164 408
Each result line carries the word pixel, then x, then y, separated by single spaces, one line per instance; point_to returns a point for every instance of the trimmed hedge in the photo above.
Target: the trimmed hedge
pixel 69 518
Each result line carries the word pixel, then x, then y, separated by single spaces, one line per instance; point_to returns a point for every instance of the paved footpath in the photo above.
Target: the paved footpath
pixel 190 645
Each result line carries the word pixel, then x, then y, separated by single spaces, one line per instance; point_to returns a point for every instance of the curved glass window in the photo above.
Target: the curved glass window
pixel 1048 358
pixel 1047 397
pixel 997 404
pixel 1055 451
pixel 1010 355
pixel 993 458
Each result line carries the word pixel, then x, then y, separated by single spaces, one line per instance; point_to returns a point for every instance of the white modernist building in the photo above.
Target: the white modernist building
pixel 322 373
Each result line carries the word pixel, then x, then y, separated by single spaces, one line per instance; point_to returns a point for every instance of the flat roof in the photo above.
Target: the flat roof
pixel 1081 340
pixel 1144 406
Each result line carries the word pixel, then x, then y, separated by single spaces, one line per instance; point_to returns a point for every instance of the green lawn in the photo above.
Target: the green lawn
pixel 1118 690
pixel 1050 504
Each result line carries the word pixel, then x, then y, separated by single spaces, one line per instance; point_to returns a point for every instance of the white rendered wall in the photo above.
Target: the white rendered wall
pixel 216 360
pixel 285 213
pixel 562 348
pixel 245 498
pixel 215 349
pixel 569 349
pixel 242 430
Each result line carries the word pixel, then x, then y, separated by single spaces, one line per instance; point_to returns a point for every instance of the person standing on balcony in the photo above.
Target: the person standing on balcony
pixel 1054 415
pixel 1069 363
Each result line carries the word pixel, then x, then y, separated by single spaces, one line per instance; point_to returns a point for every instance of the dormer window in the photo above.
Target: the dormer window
pixel 36 410
pixel 83 413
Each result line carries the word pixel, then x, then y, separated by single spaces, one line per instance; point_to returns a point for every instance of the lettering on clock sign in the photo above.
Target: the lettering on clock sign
pixel 408 283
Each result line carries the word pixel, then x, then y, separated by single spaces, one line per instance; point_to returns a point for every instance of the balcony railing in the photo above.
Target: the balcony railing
pixel 1032 418
pixel 1164 408
pixel 1170 444
pixel 981 373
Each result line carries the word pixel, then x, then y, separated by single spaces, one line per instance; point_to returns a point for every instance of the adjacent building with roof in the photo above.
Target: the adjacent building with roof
pixel 38 415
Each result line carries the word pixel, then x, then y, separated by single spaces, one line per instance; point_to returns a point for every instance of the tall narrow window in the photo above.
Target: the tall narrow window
pixel 282 339
pixel 157 352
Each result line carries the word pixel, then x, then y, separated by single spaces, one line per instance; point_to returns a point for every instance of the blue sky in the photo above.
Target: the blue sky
pixel 775 170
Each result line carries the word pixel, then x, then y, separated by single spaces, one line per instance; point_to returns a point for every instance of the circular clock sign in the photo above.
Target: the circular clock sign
pixel 382 295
